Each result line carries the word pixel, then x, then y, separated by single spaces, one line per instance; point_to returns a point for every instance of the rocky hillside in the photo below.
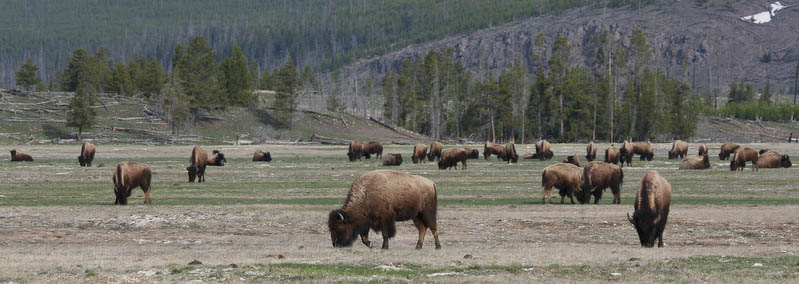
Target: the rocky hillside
pixel 706 46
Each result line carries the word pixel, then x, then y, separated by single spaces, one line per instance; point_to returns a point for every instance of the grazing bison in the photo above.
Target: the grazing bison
pixel 590 151
pixel 128 176
pixel 565 177
pixel 612 155
pixel 727 149
pixel 451 157
pixel 354 151
pixel 741 157
pixel 772 159
pixel 542 150
pixel 197 164
pixel 644 150
pixel 435 151
pixel 419 153
pixel 598 176
pixel 392 159
pixel 695 163
pixel 626 153
pixel 260 156
pixel 703 150
pixel 572 159
pixel 372 148
pixel 20 157
pixel 510 153
pixel 493 149
pixel 86 154
pixel 651 209
pixel 679 149
pixel 217 159
pixel 379 198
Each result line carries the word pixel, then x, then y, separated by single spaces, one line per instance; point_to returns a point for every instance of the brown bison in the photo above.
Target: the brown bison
pixel 372 148
pixel 741 157
pixel 20 157
pixel 679 149
pixel 598 176
pixel 260 156
pixel 128 176
pixel 451 157
pixel 355 151
pixel 197 164
pixel 493 149
pixel 695 163
pixel 419 153
pixel 590 151
pixel 572 159
pixel 727 149
pixel 772 159
pixel 510 153
pixel 612 155
pixel 542 150
pixel 217 159
pixel 86 154
pixel 626 153
pixel 644 150
pixel 565 177
pixel 379 198
pixel 435 151
pixel 651 209
pixel 392 159
pixel 703 150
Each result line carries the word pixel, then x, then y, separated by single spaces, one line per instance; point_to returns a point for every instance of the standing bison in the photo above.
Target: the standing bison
pixel 590 151
pixel 510 154
pixel 451 157
pixel 626 153
pixel 644 150
pixel 434 153
pixel 542 150
pixel 772 159
pixel 217 159
pixel 197 164
pixel 419 153
pixel 728 149
pixel 678 150
pixel 651 209
pixel 260 156
pixel 612 155
pixel 372 148
pixel 565 177
pixel 741 157
pixel 598 176
pixel 354 151
pixel 20 157
pixel 86 154
pixel 379 198
pixel 493 149
pixel 392 159
pixel 695 163
pixel 127 177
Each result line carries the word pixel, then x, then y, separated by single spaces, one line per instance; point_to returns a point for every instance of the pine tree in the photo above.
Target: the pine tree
pixel 235 79
pixel 197 71
pixel 120 80
pixel 153 78
pixel 27 76
pixel 175 103
pixel 80 113
pixel 70 79
pixel 287 86
pixel 765 95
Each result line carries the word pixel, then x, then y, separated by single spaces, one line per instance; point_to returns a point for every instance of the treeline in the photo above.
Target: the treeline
pixel 743 102
pixel 618 96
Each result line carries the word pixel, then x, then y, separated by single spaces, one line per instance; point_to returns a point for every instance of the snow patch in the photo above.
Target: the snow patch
pixel 765 17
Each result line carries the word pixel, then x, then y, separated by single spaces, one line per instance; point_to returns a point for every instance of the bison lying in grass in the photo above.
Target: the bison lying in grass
pixel 772 159
pixel 392 159
pixel 260 156
pixel 651 209
pixel 128 176
pixel 695 163
pixel 217 159
pixel 379 198
pixel 20 157
pixel 572 159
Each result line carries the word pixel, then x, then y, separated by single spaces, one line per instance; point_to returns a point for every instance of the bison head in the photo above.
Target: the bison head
pixel 192 173
pixel 474 154
pixel 762 151
pixel 353 156
pixel 398 158
pixel 342 230
pixel 268 157
pixel 785 161
pixel 442 165
pixel 220 158
pixel 733 165
pixel 672 155
pixel 647 227
pixel 13 153
pixel 121 196
pixel 81 160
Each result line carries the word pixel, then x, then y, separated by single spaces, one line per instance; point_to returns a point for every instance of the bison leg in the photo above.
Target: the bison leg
pixel 417 221
pixel 147 198
pixel 661 227
pixel 546 191
pixel 464 164
pixel 389 230
pixel 365 239
pixel 616 194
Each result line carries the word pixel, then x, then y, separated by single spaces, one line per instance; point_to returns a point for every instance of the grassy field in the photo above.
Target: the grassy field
pixel 269 219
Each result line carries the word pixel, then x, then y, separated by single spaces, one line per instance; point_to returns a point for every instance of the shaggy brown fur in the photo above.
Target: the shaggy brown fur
pixel 728 149
pixel 451 157
pixel 128 176
pixel 741 157
pixel 392 159
pixel 20 157
pixel 598 176
pixel 354 151
pixel 372 148
pixel 542 150
pixel 703 150
pixel 612 155
pixel 379 198
pixel 644 150
pixel 197 164
pixel 493 149
pixel 86 154
pixel 626 153
pixel 591 151
pixel 419 153
pixel 217 159
pixel 565 177
pixel 695 163
pixel 651 206
pixel 260 156
pixel 772 159
pixel 435 151
pixel 572 159
pixel 679 149
pixel 510 153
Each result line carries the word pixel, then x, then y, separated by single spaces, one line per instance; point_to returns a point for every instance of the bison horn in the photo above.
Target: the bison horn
pixel 341 216
pixel 630 219
pixel 657 220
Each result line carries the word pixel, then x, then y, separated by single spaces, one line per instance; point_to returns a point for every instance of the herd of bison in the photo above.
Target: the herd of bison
pixel 379 198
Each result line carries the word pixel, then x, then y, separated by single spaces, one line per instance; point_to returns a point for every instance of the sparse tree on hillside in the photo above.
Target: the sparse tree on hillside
pixel 81 114
pixel 70 79
pixel 175 103
pixel 287 85
pixel 235 78
pixel 197 70
pixel 765 95
pixel 27 76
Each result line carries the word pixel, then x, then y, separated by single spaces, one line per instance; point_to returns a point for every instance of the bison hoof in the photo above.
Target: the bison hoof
pixel 438 246
pixel 418 246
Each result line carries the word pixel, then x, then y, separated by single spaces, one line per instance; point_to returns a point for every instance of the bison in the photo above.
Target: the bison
pixel 542 150
pixel 379 198
pixel 354 151
pixel 419 153
pixel 741 157
pixel 572 159
pixel 565 177
pixel 626 153
pixel 651 209
pixel 695 163
pixel 703 150
pixel 260 156
pixel 679 149
pixel 598 176
pixel 128 176
pixel 772 159
pixel 435 151
pixel 590 151
pixel 612 155
pixel 372 148
pixel 644 150
pixel 20 157
pixel 86 154
pixel 197 164
pixel 493 149
pixel 217 159
pixel 727 149
pixel 510 154
pixel 392 159
pixel 451 157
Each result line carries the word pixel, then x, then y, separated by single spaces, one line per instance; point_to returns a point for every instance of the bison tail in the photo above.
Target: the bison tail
pixel 544 178
pixel 121 175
